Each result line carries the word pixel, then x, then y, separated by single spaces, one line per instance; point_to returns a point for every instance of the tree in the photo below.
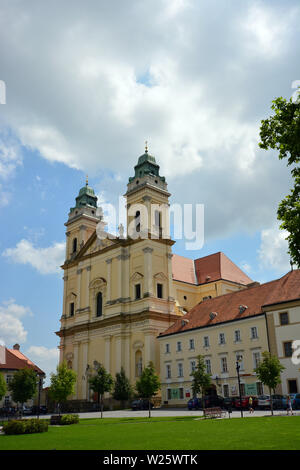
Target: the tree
pixel 23 385
pixel 282 132
pixel 148 384
pixel 201 379
pixel 101 382
pixel 62 383
pixel 122 388
pixel 2 386
pixel 268 372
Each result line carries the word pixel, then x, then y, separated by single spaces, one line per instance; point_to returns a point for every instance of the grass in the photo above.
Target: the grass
pixel 170 433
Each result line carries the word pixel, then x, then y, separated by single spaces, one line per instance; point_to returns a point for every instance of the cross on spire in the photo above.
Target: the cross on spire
pixel 146 146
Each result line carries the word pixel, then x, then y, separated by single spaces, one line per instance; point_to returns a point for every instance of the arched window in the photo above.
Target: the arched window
pixel 99 304
pixel 138 221
pixel 74 245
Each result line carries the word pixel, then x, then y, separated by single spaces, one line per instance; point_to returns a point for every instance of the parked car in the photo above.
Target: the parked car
pixel 295 398
pixel 211 401
pixel 141 404
pixel 27 410
pixel 277 402
pixel 228 403
pixel 245 402
pixel 43 410
pixel 264 402
pixel 194 404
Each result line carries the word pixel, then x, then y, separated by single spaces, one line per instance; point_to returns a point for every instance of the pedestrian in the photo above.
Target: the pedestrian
pixel 289 406
pixel 251 405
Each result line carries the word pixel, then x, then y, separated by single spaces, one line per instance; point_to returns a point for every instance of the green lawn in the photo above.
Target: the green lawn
pixel 184 433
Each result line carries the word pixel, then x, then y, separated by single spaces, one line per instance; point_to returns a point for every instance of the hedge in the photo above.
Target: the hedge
pixel 69 419
pixel 25 426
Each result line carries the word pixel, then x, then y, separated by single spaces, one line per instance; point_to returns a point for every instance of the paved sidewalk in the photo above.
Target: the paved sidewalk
pixel 173 412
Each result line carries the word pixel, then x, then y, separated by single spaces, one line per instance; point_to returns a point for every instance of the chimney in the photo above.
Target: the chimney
pixel 16 347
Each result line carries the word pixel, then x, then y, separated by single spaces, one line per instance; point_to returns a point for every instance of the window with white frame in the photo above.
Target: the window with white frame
pixel 168 371
pixel 193 366
pixel 256 359
pixel 224 364
pixel 254 334
pixel 206 341
pixel 237 336
pixel 179 346
pixel 180 369
pixel 208 366
pixel 167 348
pixel 221 338
pixel 192 344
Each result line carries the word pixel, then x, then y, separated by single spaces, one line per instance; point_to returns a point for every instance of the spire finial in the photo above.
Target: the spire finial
pixel 87 180
pixel 146 146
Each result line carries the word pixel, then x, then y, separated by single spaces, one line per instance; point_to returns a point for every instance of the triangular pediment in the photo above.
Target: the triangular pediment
pixel 95 244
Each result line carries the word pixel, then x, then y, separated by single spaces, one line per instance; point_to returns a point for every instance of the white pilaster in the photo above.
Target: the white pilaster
pixel 108 278
pixel 148 288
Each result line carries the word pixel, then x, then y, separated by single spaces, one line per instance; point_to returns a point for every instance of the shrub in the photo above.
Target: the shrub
pixel 25 426
pixel 69 419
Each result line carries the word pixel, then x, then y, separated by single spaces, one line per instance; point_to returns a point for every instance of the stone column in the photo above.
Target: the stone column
pixel 75 366
pixel 148 287
pixel 170 277
pixel 65 278
pixel 120 276
pixel 79 271
pixel 118 353
pixel 127 358
pixel 108 287
pixel 85 350
pixel 107 340
pixel 88 280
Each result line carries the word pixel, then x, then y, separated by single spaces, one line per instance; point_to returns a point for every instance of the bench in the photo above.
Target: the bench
pixel 214 413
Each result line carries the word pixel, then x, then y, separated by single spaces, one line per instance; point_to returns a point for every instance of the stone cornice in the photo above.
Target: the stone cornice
pixel 121 320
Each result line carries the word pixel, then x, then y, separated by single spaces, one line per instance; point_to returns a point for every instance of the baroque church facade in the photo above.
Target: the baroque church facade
pixel 121 293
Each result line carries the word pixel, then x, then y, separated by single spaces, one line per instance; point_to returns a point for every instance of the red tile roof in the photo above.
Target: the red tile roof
pixel 227 306
pixel 15 360
pixel 207 269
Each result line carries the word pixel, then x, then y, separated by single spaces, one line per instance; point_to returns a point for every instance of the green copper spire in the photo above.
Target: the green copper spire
pixel 86 198
pixel 146 165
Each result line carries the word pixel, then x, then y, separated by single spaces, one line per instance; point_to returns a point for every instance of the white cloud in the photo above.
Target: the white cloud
pixel 44 260
pixel 273 249
pixel 45 358
pixel 188 76
pixel 11 327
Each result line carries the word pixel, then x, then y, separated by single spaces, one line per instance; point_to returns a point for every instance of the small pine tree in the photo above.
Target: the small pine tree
pixel 122 388
pixel 268 373
pixel 101 382
pixel 62 383
pixel 148 384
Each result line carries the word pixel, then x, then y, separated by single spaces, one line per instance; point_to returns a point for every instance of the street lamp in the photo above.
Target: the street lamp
pixel 40 379
pixel 238 360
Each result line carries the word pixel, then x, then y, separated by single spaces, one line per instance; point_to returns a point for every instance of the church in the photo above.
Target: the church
pixel 121 293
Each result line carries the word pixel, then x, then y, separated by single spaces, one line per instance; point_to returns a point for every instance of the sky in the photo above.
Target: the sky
pixel 86 83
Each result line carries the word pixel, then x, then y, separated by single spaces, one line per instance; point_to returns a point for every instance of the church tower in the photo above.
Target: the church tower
pixel 82 221
pixel 147 200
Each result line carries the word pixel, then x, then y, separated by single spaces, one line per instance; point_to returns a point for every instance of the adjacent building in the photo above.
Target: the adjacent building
pixel 231 328
pixel 14 360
